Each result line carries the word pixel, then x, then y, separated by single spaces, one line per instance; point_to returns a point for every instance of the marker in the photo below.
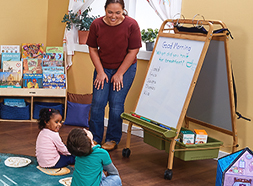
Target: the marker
pixel 136 115
pixel 145 119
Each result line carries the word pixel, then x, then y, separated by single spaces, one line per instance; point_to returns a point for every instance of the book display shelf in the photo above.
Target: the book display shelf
pixel 48 91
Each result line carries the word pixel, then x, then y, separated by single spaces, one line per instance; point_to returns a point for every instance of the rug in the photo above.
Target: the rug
pixel 28 175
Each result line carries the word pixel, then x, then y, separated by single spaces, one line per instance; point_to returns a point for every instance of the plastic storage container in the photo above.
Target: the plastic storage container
pixel 155 140
pixel 195 151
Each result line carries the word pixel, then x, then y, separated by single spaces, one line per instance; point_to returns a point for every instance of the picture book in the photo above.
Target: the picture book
pixel 32 50
pixel 53 56
pixel 52 63
pixel 9 57
pixel 200 136
pixel 13 66
pixel 54 81
pixel 10 80
pixel 32 66
pixel 53 70
pixel 32 81
pixel 53 49
pixel 13 102
pixel 10 49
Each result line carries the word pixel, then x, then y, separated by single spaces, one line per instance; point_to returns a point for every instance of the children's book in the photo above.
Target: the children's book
pixel 9 57
pixel 13 66
pixel 52 63
pixel 53 49
pixel 32 66
pixel 10 49
pixel 54 81
pixel 32 81
pixel 53 56
pixel 53 70
pixel 10 80
pixel 32 50
pixel 14 102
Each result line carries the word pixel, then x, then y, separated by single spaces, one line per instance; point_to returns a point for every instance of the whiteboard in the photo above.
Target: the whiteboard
pixel 168 79
pixel 210 100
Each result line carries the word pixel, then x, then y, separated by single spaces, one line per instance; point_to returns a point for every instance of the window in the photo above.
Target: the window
pixel 140 10
pixel 146 16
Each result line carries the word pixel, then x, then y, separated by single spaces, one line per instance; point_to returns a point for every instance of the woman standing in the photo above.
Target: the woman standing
pixel 114 41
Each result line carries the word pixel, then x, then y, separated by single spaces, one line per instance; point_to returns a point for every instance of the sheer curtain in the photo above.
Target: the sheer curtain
pixel 71 36
pixel 167 9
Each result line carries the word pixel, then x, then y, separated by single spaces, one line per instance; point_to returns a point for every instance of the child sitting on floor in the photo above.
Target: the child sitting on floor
pixel 91 160
pixel 50 150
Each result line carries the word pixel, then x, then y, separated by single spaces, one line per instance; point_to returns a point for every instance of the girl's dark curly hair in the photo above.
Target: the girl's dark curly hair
pixel 45 116
pixel 78 143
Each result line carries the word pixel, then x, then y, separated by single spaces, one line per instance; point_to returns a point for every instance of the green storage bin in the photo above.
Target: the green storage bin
pixel 197 154
pixel 154 140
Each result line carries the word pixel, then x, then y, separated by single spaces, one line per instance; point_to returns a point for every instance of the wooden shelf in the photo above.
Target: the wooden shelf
pixel 33 92
pixel 32 95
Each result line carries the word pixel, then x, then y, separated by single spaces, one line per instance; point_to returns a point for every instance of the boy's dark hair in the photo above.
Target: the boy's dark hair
pixel 78 143
pixel 45 116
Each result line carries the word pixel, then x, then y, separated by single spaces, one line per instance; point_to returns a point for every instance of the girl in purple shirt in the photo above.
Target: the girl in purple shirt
pixel 50 150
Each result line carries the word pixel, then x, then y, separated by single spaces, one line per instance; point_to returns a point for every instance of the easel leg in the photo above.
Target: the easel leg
pixel 129 130
pixel 126 151
pixel 168 173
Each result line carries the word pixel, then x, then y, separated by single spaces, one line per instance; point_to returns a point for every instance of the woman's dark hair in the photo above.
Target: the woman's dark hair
pixel 116 1
pixel 78 143
pixel 45 116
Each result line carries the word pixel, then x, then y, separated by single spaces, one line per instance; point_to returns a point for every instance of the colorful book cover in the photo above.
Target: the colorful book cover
pixel 53 70
pixel 32 50
pixel 52 63
pixel 10 80
pixel 13 66
pixel 32 66
pixel 10 49
pixel 53 56
pixel 32 81
pixel 53 49
pixel 54 81
pixel 14 102
pixel 9 57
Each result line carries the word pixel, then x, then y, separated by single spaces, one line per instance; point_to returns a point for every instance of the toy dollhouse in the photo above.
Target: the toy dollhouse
pixel 235 169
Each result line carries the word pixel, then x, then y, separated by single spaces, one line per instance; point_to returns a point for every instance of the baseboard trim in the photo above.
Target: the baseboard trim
pixel 137 131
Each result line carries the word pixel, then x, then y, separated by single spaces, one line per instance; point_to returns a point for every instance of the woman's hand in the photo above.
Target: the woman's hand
pixel 117 80
pixel 99 81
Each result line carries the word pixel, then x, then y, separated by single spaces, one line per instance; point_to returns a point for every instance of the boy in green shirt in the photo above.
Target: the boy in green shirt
pixel 91 160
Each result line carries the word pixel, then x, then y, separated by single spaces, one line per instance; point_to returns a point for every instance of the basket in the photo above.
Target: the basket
pixel 15 113
pixel 37 106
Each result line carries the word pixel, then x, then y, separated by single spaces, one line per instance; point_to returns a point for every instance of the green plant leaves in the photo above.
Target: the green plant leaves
pixel 81 22
pixel 149 35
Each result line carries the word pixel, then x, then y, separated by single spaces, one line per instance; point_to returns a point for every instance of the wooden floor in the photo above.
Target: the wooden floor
pixel 145 166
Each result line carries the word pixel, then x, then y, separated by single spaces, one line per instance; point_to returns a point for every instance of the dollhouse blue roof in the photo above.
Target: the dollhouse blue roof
pixel 226 162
